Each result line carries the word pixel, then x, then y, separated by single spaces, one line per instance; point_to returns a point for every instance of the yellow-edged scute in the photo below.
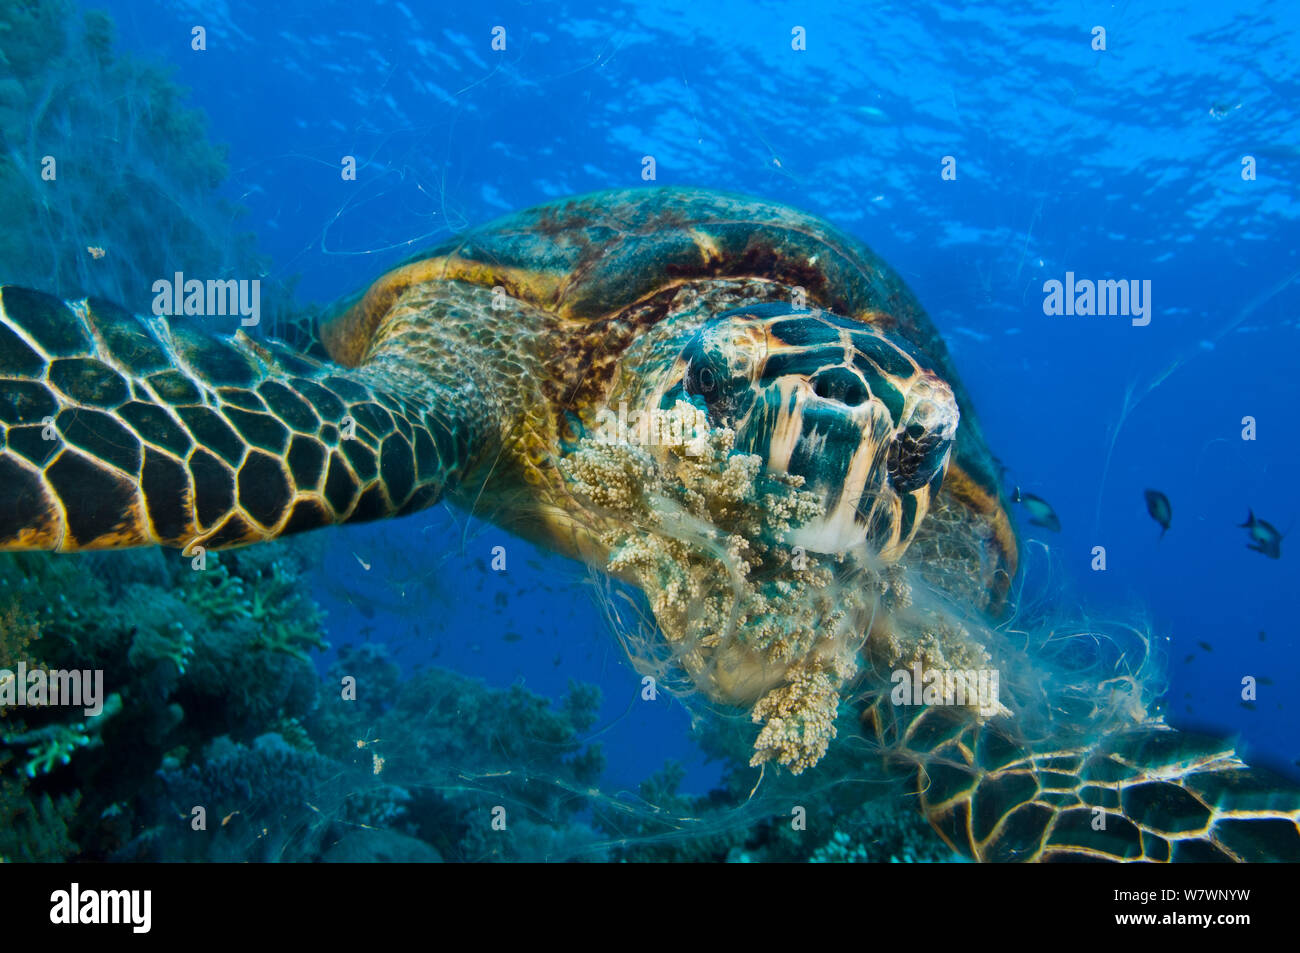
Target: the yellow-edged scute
pixel 605 268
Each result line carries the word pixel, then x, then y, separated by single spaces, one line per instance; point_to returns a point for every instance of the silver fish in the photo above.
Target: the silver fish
pixel 1040 511
pixel 1264 537
pixel 1159 509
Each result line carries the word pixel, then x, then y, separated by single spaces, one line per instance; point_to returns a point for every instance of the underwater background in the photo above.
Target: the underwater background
pixel 508 687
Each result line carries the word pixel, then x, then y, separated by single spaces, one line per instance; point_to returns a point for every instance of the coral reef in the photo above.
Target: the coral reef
pixel 274 607
pixel 35 828
pixel 55 744
pixel 875 834
pixel 455 750
pixel 177 674
pixel 216 706
pixel 262 801
pixel 416 766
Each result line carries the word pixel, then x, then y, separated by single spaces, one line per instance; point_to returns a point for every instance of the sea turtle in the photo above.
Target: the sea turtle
pixel 635 378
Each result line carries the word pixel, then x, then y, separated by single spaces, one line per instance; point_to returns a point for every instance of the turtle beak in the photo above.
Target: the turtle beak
pixel 920 449
pixel 845 407
pixel 877 474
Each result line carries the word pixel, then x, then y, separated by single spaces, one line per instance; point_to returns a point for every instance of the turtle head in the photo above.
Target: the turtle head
pixel 853 411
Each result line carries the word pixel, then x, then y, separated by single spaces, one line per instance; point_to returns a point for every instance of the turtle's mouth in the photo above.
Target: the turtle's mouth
pixel 846 408
pixel 764 550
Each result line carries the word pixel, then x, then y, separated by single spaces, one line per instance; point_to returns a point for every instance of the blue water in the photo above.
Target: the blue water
pixel 1122 163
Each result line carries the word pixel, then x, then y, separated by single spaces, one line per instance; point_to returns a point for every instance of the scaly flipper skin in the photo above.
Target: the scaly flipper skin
pixel 1144 793
pixel 119 431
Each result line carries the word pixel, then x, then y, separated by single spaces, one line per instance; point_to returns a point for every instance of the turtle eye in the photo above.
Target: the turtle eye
pixel 708 383
pixel 702 379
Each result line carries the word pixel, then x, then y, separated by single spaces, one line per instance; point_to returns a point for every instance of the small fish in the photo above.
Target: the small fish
pixel 364 565
pixel 512 637
pixel 1261 636
pixel 1190 656
pixel 1159 509
pixel 1206 645
pixel 1264 680
pixel 1249 706
pixel 558 659
pixel 1263 535
pixel 1040 511
pixel 96 252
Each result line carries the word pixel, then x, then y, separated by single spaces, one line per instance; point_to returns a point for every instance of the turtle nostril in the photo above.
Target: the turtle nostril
pixel 840 385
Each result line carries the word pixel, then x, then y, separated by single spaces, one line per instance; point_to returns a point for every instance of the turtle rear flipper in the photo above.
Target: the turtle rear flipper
pixel 1145 793
pixel 117 431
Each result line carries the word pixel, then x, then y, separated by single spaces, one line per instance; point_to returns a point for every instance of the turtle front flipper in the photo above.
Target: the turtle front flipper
pixel 118 431
pixel 1145 793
